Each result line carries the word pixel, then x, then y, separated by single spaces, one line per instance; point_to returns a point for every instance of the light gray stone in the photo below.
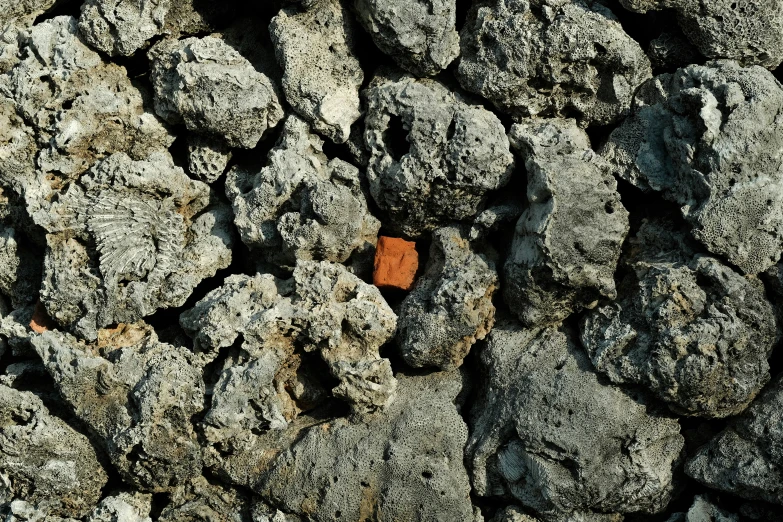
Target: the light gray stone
pixel 124 506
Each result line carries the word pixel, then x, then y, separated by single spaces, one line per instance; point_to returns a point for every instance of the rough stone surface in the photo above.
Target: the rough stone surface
pixel 207 158
pixel 396 263
pixel 124 506
pixel 317 51
pixel 567 242
pixel 301 205
pixel 710 138
pixel 551 58
pixel 704 510
pixel 451 306
pixel 23 11
pixel 420 35
pixel 198 500
pixel 121 27
pixel 434 156
pixel 546 431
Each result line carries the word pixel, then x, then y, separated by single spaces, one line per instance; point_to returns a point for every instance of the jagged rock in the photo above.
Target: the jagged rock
pixel 567 242
pixel 121 27
pixel 316 49
pixel 260 512
pixel 199 500
pixel 129 238
pixel 703 510
pixel 23 11
pixel 750 31
pixel 137 395
pixel 20 268
pixel 207 158
pixel 302 205
pixel 489 220
pixel 671 51
pixel 402 464
pixel 515 514
pixel 212 89
pixel 434 155
pixel 419 35
pixel 451 306
pixel 44 462
pixel 708 137
pixel 746 458
pixel 124 506
pixel 551 58
pixel 686 326
pixel 548 432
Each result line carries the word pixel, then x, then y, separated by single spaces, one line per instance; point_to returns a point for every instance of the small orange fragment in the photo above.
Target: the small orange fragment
pixel 396 262
pixel 41 321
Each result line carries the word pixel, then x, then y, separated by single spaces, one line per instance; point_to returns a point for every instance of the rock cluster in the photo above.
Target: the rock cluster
pixel 391 260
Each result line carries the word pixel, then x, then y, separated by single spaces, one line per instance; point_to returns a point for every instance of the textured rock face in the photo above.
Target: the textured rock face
pixel 434 156
pixel 123 507
pixel 302 205
pixel 546 431
pixel 137 395
pixel 411 461
pixel 212 89
pixel 686 326
pixel 451 306
pixel 702 510
pixel 43 461
pixel 551 58
pixel 129 238
pixel 23 11
pixel 316 49
pixel 710 138
pixel 419 35
pixel 747 457
pixel 567 242
pixel 121 27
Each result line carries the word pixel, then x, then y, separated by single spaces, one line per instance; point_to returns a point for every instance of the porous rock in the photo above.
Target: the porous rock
pixel 302 204
pixel 451 306
pixel 200 500
pixel 403 464
pixel 420 35
pixel 567 241
pixel 121 27
pixel 212 89
pixel 704 510
pixel 688 327
pixel 709 137
pixel 207 158
pixel 434 155
pixel 746 458
pixel 548 432
pixel 551 58
pixel 44 462
pixel 317 51
pixel 137 395
pixel 123 506
pixel 23 12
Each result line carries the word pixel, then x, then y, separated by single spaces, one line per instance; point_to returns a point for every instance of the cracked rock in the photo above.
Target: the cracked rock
pixel 549 433
pixel 451 306
pixel 434 155
pixel 551 58
pixel 207 158
pixel 121 27
pixel 708 137
pixel 200 500
pixel 567 242
pixel 124 506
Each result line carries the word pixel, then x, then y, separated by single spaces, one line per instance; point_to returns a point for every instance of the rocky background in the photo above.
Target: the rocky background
pixel 391 260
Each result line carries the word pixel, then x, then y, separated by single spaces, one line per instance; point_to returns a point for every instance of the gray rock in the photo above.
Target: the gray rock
pixel 201 501
pixel 419 35
pixel 212 89
pixel 43 461
pixel 670 51
pixel 709 138
pixel 23 11
pixel 505 211
pixel 567 242
pixel 302 205
pixel 121 27
pixel 548 432
pixel 434 156
pixel 317 51
pixel 20 268
pixel 746 458
pixel 403 464
pixel 23 511
pixel 686 326
pixel 129 238
pixel 551 58
pixel 125 506
pixel 450 308
pixel 704 510
pixel 207 158
pixel 137 395
pixel 515 514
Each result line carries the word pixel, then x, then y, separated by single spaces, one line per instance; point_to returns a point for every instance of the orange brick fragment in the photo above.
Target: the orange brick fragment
pixel 41 321
pixel 396 262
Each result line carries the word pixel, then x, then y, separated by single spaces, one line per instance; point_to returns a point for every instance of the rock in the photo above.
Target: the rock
pixel 403 464
pixel 420 36
pixel 20 268
pixel 212 89
pixel 124 506
pixel 396 263
pixel 44 462
pixel 703 510
pixel 199 500
pixel 549 433
pixel 550 58
pixel 746 458
pixel 317 51
pixel 451 306
pixel 23 11
pixel 137 395
pixel 121 27
pixel 709 138
pixel 434 155
pixel 671 51
pixel 515 514
pixel 40 321
pixel 567 242
pixel 207 158
pixel 507 210
pixel 302 205
pixel 129 238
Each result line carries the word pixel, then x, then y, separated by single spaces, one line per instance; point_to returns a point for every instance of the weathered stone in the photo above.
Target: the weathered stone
pixel 207 158
pixel 396 263
pixel 671 51
pixel 703 510
pixel 23 11
pixel 199 500
pixel 20 268
pixel 124 506
pixel 121 27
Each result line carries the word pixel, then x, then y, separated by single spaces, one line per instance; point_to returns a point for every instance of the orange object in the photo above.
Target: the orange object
pixel 396 262
pixel 41 321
